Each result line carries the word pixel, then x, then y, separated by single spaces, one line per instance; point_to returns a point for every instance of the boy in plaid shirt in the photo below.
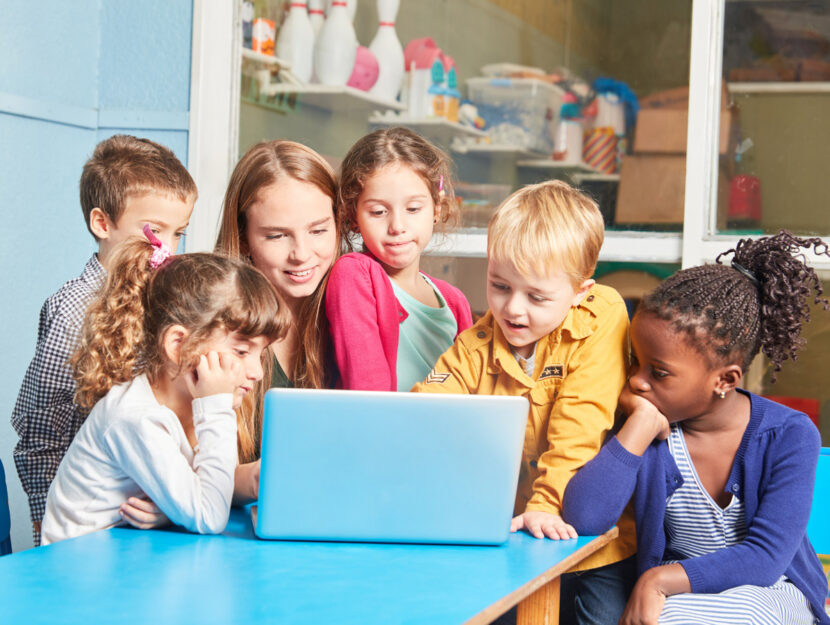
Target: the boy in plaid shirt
pixel 127 183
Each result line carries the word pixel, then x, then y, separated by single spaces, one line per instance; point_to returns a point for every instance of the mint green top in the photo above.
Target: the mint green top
pixel 422 337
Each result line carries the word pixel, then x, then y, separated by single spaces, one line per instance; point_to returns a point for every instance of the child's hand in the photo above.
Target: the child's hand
pixel 216 373
pixel 143 514
pixel 644 423
pixel 649 595
pixel 246 483
pixel 541 524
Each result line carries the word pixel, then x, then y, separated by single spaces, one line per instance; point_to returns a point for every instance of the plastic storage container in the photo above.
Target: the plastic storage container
pixel 520 112
pixel 479 202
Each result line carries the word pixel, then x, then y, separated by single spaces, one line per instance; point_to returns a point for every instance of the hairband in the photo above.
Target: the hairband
pixel 161 252
pixel 746 272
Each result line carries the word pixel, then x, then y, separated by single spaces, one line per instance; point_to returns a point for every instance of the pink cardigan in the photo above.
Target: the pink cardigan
pixel 364 316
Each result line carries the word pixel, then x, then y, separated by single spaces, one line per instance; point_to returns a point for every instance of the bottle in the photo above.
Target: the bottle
pixel 436 90
pixel 453 96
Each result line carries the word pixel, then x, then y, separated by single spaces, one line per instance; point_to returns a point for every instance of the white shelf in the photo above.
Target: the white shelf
pixel 264 59
pixel 442 130
pixel 619 246
pixel 779 87
pixel 486 149
pixel 580 177
pixel 331 98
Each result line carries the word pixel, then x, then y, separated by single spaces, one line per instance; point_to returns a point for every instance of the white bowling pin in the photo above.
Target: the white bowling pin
pixel 316 15
pixel 387 48
pixel 295 43
pixel 336 47
pixel 350 4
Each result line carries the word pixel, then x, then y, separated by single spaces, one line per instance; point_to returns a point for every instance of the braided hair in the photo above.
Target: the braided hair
pixel 758 302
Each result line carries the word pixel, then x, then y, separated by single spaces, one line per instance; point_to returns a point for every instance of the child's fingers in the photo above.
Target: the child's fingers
pixel 135 517
pixel 517 523
pixel 144 505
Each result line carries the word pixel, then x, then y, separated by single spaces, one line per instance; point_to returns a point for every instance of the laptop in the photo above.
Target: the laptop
pixel 389 467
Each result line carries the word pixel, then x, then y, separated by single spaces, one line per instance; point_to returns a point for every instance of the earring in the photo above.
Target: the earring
pixel 722 395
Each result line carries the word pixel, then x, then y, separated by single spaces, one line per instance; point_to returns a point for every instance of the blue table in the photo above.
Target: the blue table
pixel 169 576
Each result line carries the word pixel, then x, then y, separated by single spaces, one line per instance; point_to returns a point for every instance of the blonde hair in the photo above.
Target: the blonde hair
pixel 397 145
pixel 123 333
pixel 124 166
pixel 547 227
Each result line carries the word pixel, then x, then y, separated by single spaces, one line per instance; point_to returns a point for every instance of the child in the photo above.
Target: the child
pixel 390 322
pixel 554 336
pixel 127 183
pixel 168 352
pixel 721 479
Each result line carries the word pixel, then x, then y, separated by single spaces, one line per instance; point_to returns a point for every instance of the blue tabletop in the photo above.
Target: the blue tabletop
pixel 169 576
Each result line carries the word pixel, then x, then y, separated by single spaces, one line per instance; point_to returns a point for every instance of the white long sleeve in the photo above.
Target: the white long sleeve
pixel 131 445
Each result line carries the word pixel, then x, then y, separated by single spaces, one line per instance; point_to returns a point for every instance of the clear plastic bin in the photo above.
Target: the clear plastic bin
pixel 520 112
pixel 479 202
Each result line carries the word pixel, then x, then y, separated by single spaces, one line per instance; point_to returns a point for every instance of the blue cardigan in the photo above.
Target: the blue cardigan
pixel 773 473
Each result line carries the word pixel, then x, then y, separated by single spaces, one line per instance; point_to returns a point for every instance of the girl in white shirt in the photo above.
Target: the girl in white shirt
pixel 168 352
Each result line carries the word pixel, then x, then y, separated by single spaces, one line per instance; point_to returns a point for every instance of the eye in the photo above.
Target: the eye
pixel 659 373
pixel 319 231
pixel 274 237
pixel 241 352
pixel 180 234
pixel 499 286
pixel 377 212
pixel 414 208
pixel 538 298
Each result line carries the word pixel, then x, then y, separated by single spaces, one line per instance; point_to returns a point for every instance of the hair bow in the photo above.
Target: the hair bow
pixel 161 252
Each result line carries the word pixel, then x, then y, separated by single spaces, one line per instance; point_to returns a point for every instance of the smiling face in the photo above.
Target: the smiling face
pixel 291 237
pixel 247 350
pixel 395 216
pixel 669 372
pixel 529 308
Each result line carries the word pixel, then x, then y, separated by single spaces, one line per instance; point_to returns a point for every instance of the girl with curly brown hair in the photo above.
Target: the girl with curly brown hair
pixel 721 479
pixel 168 351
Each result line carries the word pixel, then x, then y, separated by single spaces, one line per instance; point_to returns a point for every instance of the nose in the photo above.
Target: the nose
pixel 636 380
pixel 513 306
pixel 255 371
pixel 301 251
pixel 396 222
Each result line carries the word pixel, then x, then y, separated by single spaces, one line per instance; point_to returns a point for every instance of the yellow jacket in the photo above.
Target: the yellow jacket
pixel 580 369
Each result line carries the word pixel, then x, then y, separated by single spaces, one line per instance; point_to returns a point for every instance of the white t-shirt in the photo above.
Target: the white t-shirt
pixel 130 445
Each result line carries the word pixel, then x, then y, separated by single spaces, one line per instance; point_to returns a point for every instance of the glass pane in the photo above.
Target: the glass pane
pixel 776 63
pixel 529 69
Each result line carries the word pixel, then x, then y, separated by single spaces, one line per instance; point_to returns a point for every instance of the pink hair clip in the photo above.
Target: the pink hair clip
pixel 441 184
pixel 162 251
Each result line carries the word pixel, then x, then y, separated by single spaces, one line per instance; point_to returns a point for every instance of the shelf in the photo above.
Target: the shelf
pixel 779 87
pixel 331 98
pixel 619 246
pixel 441 130
pixel 485 150
pixel 264 59
pixel 579 177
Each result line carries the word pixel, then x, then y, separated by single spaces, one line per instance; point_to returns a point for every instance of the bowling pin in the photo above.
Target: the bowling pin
pixel 387 49
pixel 336 47
pixel 316 15
pixel 295 43
pixel 350 4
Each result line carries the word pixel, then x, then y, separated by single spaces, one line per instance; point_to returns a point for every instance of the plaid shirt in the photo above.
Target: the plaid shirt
pixel 45 415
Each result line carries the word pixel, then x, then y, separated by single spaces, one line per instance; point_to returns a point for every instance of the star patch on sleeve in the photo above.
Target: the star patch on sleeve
pixel 553 371
pixel 436 378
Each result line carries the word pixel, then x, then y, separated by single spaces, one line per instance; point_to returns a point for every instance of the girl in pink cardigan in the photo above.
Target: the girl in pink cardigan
pixel 389 321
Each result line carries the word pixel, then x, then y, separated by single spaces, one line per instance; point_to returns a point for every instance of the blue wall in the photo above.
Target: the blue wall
pixel 71 74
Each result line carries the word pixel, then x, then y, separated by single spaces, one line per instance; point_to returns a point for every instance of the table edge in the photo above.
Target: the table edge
pixel 494 610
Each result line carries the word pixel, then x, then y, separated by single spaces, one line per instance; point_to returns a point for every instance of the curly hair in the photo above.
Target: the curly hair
pixel 757 303
pixel 389 146
pixel 123 333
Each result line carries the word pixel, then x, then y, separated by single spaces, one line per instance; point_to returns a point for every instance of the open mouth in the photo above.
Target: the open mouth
pixel 514 326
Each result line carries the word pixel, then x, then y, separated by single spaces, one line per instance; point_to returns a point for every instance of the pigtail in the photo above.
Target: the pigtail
pixel 775 267
pixel 114 327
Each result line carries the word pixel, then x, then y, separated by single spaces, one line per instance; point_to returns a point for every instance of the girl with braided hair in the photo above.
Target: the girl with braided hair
pixel 721 479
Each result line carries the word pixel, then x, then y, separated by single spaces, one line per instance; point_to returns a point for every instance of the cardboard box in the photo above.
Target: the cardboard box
pixel 663 131
pixel 678 99
pixel 652 189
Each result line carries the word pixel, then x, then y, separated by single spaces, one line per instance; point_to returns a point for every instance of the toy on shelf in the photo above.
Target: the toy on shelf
pixel 567 145
pixel 387 49
pixel 366 70
pixel 335 49
pixel 295 42
pixel 262 36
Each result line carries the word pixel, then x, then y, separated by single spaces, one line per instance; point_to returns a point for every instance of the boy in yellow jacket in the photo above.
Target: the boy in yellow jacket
pixel 556 337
